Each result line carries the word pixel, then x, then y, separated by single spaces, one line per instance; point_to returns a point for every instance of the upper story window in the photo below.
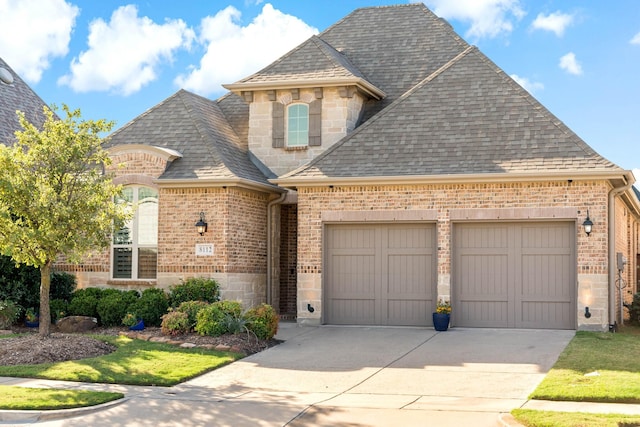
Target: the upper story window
pixel 298 125
pixel 135 246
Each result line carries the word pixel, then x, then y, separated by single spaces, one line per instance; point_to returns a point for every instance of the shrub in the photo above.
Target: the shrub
pixel 20 284
pixel 113 306
pixel 58 308
pixel 634 309
pixel 84 302
pixel 62 286
pixel 175 323
pixel 210 320
pixel 262 321
pixel 191 308
pixel 195 289
pixel 151 306
pixel 235 324
pixel 130 319
pixel 9 313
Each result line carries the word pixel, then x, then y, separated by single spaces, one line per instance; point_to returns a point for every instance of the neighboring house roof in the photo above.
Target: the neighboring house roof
pixel 469 117
pixel 198 129
pixel 17 96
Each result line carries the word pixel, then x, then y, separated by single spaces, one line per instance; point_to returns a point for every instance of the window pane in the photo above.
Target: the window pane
pixel 122 263
pixel 147 217
pixel 298 125
pixel 147 261
pixel 124 236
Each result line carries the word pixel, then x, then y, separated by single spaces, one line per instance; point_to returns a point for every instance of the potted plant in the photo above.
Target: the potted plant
pixel 31 318
pixel 442 316
pixel 133 322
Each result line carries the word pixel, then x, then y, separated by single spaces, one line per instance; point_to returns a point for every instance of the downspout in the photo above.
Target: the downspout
pixel 271 204
pixel 613 193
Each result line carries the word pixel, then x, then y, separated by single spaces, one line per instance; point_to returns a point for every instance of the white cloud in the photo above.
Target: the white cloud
pixel 570 64
pixel 234 51
pixel 556 22
pixel 636 173
pixel 530 86
pixel 635 39
pixel 125 53
pixel 489 18
pixel 33 33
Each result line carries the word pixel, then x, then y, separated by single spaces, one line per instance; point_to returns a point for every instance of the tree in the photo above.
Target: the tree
pixel 55 197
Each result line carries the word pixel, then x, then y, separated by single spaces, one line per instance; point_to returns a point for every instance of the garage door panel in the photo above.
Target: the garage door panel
pixel 393 269
pixel 527 269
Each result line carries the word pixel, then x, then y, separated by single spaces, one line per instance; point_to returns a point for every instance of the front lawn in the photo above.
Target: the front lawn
pixel 24 398
pixel 596 367
pixel 135 362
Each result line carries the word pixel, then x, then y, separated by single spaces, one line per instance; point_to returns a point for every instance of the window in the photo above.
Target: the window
pixel 298 125
pixel 135 246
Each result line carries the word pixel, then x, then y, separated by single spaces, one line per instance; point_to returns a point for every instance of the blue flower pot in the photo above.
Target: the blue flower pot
pixel 138 326
pixel 441 321
pixel 34 324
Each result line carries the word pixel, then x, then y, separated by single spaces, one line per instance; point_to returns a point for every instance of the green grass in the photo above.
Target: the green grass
pixel 573 419
pixel 135 362
pixel 24 398
pixel 613 356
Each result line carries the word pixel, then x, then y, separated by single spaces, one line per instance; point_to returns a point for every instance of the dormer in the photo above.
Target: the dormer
pixel 302 104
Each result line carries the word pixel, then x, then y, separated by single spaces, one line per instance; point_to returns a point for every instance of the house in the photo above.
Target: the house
pixel 373 170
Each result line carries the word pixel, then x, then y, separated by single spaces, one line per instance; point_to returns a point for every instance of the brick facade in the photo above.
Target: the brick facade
pixel 288 259
pixel 494 202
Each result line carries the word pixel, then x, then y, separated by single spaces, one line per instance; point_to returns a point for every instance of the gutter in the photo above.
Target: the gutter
pixel 271 204
pixel 613 193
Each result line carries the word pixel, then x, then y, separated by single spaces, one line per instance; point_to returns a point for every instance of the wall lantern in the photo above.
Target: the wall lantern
pixel 587 313
pixel 587 224
pixel 201 225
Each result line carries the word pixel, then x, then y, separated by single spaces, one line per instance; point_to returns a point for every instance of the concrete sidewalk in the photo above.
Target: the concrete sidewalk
pixel 355 376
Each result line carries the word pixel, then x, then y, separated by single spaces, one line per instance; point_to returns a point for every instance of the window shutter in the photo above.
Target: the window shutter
pixel 278 125
pixel 315 122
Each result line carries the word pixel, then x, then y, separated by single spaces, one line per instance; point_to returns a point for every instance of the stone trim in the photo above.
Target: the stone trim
pixel 380 216
pixel 514 214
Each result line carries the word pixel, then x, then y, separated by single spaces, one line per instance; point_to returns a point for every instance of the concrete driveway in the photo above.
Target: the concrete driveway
pixel 352 376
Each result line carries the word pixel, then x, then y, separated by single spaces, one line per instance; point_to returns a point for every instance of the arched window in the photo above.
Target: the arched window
pixel 135 246
pixel 298 125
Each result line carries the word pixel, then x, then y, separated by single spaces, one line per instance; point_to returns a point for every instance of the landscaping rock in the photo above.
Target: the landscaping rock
pixel 5 332
pixel 71 324
pixel 187 345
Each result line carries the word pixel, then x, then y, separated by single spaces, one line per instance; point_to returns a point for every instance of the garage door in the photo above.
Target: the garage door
pixel 379 274
pixel 514 275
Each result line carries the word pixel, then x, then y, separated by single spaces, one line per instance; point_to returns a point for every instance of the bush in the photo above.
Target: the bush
pixel 9 313
pixel 634 309
pixel 58 308
pixel 210 320
pixel 262 321
pixel 19 284
pixel 195 289
pixel 175 323
pixel 62 286
pixel 84 302
pixel 191 308
pixel 151 306
pixel 113 306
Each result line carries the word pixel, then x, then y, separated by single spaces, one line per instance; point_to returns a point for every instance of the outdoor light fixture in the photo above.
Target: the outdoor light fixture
pixel 201 225
pixel 587 314
pixel 587 224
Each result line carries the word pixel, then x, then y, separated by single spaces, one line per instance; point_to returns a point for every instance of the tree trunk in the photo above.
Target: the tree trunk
pixel 45 286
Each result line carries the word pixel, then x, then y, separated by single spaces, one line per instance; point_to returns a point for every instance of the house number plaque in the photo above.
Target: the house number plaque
pixel 204 249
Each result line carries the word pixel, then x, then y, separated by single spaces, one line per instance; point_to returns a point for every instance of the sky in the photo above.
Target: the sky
pixel 115 59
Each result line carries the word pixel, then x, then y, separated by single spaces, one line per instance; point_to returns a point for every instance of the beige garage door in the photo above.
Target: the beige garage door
pixel 514 275
pixel 379 274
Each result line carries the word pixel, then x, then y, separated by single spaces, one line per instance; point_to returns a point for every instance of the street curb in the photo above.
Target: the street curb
pixel 505 419
pixel 34 416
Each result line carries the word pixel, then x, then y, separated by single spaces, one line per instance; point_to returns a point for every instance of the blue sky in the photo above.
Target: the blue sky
pixel 116 59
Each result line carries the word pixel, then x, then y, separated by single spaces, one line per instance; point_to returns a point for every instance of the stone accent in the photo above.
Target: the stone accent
pixel 339 116
pixel 72 324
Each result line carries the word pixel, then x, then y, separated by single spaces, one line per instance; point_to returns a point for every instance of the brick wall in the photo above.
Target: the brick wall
pixel 288 259
pixel 523 199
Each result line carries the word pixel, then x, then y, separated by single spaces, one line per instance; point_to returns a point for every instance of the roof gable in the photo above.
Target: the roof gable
pixel 18 96
pixel 469 117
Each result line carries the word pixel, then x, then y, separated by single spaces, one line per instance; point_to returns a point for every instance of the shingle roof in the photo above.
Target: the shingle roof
pixel 17 96
pixel 467 118
pixel 198 129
